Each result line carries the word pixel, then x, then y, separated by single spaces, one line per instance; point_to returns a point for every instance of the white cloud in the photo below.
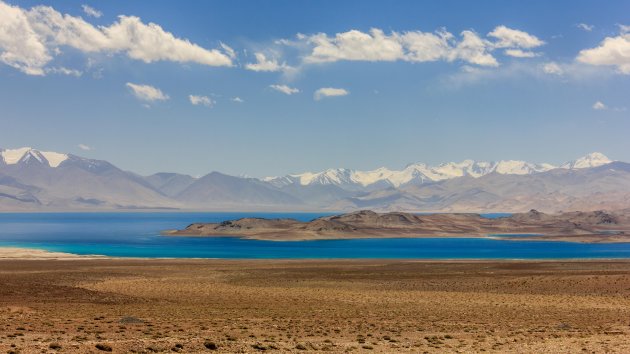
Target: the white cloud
pixel 64 71
pixel 422 46
pixel 416 46
pixel 284 89
pixel 356 45
pixel 474 50
pixel 329 92
pixel 266 64
pixel 201 100
pixel 552 68
pixel 84 147
pixel 519 53
pixel 518 70
pixel 228 50
pixel 20 46
pixel 29 39
pixel 612 51
pixel 585 27
pixel 90 11
pixel 238 100
pixel 512 38
pixel 599 106
pixel 147 92
pixel 151 43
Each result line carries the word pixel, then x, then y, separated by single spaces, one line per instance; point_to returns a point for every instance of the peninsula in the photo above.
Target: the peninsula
pixel 596 226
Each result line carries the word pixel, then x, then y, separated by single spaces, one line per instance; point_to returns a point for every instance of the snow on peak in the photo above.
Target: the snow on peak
pixel 54 158
pixel 421 173
pixel 25 154
pixel 593 159
pixel 13 156
pixel 331 176
pixel 512 167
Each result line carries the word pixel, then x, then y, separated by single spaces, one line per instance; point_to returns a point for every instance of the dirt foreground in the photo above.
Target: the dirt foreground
pixel 147 306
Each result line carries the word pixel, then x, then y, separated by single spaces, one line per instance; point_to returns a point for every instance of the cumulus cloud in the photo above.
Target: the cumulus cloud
pixel 512 38
pixel 519 53
pixel 284 89
pixel 416 46
pixel 474 50
pixel 552 68
pixel 356 45
pixel 423 46
pixel 599 106
pixel 329 92
pixel 201 100
pixel 147 92
pixel 585 27
pixel 238 100
pixel 29 40
pixel 266 64
pixel 612 51
pixel 20 46
pixel 90 11
pixel 84 147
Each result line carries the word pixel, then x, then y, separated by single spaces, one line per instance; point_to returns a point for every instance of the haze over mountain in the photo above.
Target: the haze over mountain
pixel 35 180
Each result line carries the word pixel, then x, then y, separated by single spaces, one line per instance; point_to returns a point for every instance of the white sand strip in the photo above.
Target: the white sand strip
pixel 28 253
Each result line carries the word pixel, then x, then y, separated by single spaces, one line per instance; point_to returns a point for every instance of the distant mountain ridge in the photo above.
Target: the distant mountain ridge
pixel 35 180
pixel 421 173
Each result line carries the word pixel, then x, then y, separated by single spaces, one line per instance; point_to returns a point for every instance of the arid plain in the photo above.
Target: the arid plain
pixel 146 306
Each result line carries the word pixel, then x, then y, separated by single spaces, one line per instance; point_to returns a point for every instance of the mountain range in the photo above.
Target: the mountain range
pixel 35 180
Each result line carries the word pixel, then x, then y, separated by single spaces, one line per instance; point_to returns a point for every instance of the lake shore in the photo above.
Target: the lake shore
pixel 362 306
pixel 16 253
pixel 312 236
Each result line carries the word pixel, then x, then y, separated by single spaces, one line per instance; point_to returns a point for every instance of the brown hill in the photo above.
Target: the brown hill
pixel 596 226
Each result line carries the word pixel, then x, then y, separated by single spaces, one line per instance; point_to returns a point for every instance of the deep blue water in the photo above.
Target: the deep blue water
pixel 138 235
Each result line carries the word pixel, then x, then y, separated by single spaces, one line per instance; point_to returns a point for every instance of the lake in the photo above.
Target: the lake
pixel 138 235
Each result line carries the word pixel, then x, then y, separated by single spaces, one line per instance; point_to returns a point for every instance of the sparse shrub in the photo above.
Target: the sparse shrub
pixel 104 347
pixel 210 345
pixel 259 346
pixel 54 346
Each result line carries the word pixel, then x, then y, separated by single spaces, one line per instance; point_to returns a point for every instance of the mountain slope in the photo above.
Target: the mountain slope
pixel 170 184
pixel 216 190
pixel 40 181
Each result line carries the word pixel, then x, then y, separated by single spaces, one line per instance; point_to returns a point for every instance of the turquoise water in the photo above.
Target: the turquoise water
pixel 514 235
pixel 138 235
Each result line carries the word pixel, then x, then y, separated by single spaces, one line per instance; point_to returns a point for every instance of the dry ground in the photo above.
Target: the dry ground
pixel 147 306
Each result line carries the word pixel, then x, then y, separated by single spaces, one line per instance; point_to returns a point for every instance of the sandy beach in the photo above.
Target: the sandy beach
pixel 30 253
pixel 144 306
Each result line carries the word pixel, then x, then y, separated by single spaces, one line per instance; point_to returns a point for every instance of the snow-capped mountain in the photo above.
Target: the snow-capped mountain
pixel 32 179
pixel 28 155
pixel 419 173
pixel 36 180
pixel 591 160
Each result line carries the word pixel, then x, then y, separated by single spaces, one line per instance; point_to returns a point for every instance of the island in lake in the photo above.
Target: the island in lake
pixel 596 226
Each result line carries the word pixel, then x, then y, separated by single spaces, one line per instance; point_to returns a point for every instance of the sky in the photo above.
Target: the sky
pixel 265 88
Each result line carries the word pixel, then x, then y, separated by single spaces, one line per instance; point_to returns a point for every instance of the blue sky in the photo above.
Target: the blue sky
pixel 429 81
